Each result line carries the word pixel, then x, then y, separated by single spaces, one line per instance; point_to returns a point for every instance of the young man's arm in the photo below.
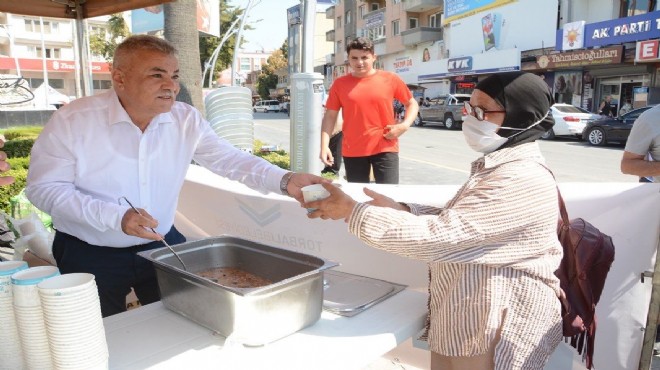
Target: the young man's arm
pixel 327 127
pixel 635 164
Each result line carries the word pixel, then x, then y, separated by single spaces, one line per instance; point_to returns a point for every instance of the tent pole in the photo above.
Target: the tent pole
pixel 83 51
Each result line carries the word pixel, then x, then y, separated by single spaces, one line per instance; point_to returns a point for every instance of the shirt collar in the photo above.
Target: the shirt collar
pixel 117 113
pixel 530 151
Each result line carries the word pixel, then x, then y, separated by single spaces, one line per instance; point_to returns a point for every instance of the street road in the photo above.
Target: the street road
pixel 434 155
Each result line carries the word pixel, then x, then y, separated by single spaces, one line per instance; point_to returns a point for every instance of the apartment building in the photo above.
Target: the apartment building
pixel 584 49
pixel 24 48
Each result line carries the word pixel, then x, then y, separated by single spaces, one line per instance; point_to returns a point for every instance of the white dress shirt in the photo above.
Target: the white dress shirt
pixel 90 154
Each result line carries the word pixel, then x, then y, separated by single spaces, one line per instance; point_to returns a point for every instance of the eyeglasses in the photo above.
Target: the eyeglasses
pixel 478 112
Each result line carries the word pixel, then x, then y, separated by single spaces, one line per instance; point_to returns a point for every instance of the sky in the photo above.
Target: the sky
pixel 271 32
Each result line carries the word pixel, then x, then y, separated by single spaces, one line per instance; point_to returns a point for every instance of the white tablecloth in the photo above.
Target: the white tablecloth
pixel 153 337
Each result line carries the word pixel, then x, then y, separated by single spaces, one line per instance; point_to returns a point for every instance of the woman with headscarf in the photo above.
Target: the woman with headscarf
pixel 493 249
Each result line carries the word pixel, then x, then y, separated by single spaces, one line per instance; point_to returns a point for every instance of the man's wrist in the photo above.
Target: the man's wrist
pixel 284 183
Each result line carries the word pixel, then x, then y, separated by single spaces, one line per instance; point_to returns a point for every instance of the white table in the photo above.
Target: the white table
pixel 154 337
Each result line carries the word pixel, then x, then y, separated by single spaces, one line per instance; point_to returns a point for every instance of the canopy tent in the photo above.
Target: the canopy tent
pixel 54 97
pixel 78 10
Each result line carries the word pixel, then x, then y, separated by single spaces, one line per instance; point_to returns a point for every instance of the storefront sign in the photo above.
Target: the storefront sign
pixel 52 65
pixel 403 64
pixel 490 62
pixel 618 31
pixel 573 35
pixel 293 15
pixel 374 20
pixel 647 51
pixel 571 59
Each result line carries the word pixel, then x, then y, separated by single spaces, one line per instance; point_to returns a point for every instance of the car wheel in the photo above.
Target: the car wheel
pixel 549 135
pixel 449 123
pixel 596 136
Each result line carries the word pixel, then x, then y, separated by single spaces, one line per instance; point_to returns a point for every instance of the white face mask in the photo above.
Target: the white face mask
pixel 482 136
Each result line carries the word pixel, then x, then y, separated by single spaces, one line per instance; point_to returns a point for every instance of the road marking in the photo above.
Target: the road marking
pixel 434 164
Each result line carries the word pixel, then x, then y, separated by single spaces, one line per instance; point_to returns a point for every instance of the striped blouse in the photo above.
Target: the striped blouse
pixel 492 252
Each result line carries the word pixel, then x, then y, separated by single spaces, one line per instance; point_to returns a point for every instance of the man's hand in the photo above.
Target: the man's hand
pixel 139 224
pixel 337 206
pixel 326 156
pixel 300 180
pixel 394 131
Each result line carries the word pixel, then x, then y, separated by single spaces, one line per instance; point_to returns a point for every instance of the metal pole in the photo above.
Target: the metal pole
pixel 11 47
pixel 43 60
pixel 83 50
pixel 234 64
pixel 309 13
pixel 216 52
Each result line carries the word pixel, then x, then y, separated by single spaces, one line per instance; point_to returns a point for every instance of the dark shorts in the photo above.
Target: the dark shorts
pixel 116 270
pixel 385 166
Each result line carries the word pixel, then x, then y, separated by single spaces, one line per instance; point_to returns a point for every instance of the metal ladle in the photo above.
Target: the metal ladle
pixel 154 231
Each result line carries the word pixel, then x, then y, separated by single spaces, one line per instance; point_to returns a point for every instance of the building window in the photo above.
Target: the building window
pixel 374 6
pixel 434 20
pixel 376 33
pixel 55 83
pixel 347 18
pixel 636 7
pixel 338 22
pixel 101 84
pixel 54 53
pixel 245 64
pixel 339 48
pixel 34 25
pixel 361 11
pixel 395 27
pixel 413 23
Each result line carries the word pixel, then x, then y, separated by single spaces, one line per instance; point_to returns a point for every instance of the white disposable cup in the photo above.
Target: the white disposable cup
pixel 24 284
pixel 67 284
pixel 7 269
pixel 315 192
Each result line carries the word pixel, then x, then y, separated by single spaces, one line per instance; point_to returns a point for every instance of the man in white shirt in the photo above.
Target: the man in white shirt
pixel 642 153
pixel 134 141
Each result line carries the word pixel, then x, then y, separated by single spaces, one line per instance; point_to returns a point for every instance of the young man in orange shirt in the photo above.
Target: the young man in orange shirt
pixel 370 130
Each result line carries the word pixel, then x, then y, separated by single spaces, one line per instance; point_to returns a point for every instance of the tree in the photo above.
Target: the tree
pixel 228 14
pixel 180 29
pixel 104 44
pixel 267 78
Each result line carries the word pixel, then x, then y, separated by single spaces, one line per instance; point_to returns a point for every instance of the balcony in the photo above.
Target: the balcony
pixel 330 13
pixel 330 35
pixel 421 5
pixel 419 35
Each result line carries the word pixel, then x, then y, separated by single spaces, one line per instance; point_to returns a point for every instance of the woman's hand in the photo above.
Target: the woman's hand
pixel 337 206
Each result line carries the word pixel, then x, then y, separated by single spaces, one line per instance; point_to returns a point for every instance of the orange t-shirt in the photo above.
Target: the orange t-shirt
pixel 366 105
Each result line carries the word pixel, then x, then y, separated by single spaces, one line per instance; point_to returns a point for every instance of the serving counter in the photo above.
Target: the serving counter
pixel 154 337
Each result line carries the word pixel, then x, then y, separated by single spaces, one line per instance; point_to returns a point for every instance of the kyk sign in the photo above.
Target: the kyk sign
pixel 647 51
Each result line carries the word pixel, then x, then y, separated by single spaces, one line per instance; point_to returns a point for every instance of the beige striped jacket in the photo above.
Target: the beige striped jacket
pixel 492 252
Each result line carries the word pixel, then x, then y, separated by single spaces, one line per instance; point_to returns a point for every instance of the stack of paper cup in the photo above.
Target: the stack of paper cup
pixel 29 315
pixel 11 356
pixel 72 313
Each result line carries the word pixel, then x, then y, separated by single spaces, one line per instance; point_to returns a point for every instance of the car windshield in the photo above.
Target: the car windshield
pixel 569 109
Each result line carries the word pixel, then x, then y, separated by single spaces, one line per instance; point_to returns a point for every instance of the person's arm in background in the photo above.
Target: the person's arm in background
pixel 4 166
pixel 327 127
pixel 635 164
pixel 398 129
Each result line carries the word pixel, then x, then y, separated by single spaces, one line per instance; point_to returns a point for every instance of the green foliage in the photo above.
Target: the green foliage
pixel 8 191
pixel 29 132
pixel 104 44
pixel 18 148
pixel 280 158
pixel 20 162
pixel 267 78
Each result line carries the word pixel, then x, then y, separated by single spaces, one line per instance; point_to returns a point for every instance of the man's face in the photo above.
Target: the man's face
pixel 147 84
pixel 362 62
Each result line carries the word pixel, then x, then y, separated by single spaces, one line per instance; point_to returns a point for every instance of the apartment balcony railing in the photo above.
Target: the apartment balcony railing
pixel 330 35
pixel 421 5
pixel 421 34
pixel 330 13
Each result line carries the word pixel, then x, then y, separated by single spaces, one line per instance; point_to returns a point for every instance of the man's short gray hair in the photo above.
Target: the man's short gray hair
pixel 140 42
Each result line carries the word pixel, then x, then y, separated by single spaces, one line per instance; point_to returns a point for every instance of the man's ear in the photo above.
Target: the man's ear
pixel 117 77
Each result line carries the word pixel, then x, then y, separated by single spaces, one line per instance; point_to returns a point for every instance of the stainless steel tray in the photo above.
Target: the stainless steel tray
pixel 253 316
pixel 348 294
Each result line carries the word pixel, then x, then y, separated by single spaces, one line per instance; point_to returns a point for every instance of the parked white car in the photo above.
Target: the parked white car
pixel 265 106
pixel 569 121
